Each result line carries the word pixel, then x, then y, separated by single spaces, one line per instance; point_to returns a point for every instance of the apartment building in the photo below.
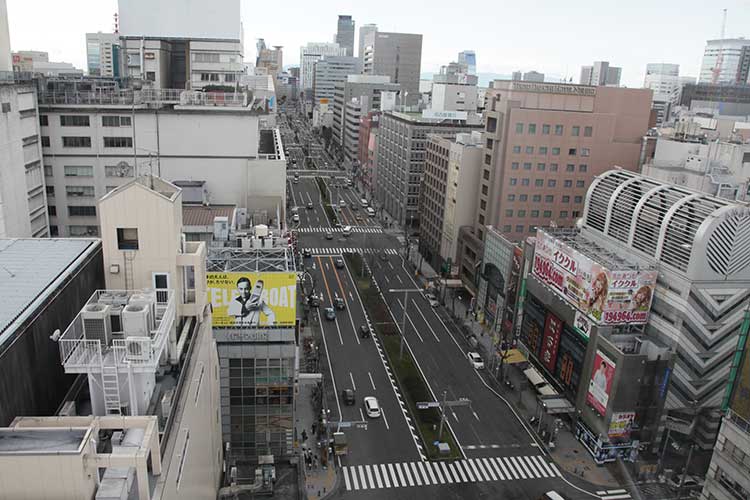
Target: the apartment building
pixel 23 202
pixel 330 71
pixel 544 143
pixel 103 54
pixel 402 145
pixel 397 55
pixel 356 109
pixel 370 86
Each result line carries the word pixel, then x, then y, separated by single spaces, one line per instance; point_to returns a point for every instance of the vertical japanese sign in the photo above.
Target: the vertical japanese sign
pixel 551 341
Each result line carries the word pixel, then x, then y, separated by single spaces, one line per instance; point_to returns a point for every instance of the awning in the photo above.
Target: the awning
pixel 514 356
pixel 546 390
pixel 554 405
pixel 534 377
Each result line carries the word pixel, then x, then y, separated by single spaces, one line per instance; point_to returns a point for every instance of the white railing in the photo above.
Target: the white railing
pixel 144 97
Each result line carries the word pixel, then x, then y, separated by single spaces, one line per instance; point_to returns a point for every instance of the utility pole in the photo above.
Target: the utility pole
pixel 442 405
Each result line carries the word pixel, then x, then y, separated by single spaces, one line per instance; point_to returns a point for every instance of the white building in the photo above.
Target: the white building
pixel 735 61
pixel 328 72
pixel 103 54
pixel 600 73
pixel 364 30
pixel 454 97
pixel 23 203
pixel 469 59
pixel 312 53
pixel 222 139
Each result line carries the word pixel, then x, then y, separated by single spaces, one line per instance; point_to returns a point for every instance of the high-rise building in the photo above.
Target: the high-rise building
pixel 270 60
pixel 725 61
pixel 718 98
pixel 103 54
pixel 364 31
pixel 397 55
pixel 600 74
pixel 329 71
pixel 345 35
pixel 309 55
pixel 469 59
pixel 6 63
pixel 23 199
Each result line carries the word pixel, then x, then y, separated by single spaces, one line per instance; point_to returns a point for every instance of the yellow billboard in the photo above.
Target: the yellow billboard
pixel 247 300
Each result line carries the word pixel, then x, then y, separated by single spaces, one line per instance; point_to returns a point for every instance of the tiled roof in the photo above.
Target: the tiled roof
pixel 200 215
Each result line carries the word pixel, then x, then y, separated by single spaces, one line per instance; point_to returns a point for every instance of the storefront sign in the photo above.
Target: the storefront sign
pixel 533 326
pixel 550 342
pixel 620 425
pixel 604 296
pixel 572 352
pixel 600 385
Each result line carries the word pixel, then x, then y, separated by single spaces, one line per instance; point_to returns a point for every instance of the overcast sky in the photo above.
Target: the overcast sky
pixel 550 36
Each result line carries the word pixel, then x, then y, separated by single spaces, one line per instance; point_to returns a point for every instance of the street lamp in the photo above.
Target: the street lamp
pixel 406 292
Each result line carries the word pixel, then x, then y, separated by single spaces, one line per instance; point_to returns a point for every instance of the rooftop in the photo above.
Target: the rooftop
pixel 29 271
pixel 227 259
pixel 597 253
pixel 41 440
pixel 203 215
pixel 151 182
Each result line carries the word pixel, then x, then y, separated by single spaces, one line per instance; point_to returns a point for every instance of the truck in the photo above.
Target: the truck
pixel 340 445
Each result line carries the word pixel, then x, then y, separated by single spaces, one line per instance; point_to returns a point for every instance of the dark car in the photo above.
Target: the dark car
pixel 339 263
pixel 310 205
pixel 364 331
pixel 314 301
pixel 330 313
pixel 306 252
pixel 329 235
pixel 339 303
pixel 348 396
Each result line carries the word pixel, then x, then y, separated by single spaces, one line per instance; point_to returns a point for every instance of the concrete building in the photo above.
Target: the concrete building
pixel 533 76
pixel 309 55
pixel 103 54
pixel 664 80
pixel 544 143
pixel 502 263
pixel 454 97
pixel 448 195
pixel 268 60
pixel 720 99
pixel 345 34
pixel 402 144
pixel 469 59
pixel 45 283
pixel 356 109
pixel 224 139
pixel 726 61
pixel 397 55
pixel 6 62
pixel 23 201
pixel 364 31
pixel 24 60
pixel 600 74
pixel 330 71
pixel 367 157
pixel 371 86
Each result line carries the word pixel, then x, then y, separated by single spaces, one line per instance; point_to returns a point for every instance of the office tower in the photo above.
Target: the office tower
pixel 309 55
pixel 725 61
pixel 6 63
pixel 397 55
pixel 103 54
pixel 345 35
pixel 364 31
pixel 600 73
pixel 516 76
pixel 469 59
pixel 664 80
pixel 329 71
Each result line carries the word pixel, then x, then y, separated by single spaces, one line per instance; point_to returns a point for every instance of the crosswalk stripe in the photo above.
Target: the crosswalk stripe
pixel 346 479
pixel 393 475
pixel 400 475
pixel 429 471
pixel 438 474
pixel 511 467
pixel 448 476
pixel 502 466
pixel 463 465
pixel 425 478
pixel 386 480
pixel 417 478
pixel 476 465
pixel 542 466
pixel 408 475
pixel 532 467
pixel 554 468
pixel 362 476
pixel 369 476
pixel 489 469
pixel 497 469
pixel 458 473
pixel 355 482
pixel 519 465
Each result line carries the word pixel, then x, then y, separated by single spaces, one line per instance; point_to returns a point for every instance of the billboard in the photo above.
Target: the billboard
pixel 244 300
pixel 511 292
pixel 607 297
pixel 550 341
pixel 571 355
pixel 602 375
pixel 620 425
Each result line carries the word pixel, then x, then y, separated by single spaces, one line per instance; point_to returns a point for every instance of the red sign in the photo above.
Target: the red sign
pixel 551 341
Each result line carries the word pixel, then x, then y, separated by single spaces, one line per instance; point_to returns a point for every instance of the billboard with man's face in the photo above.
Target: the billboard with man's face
pixel 600 384
pixel 252 299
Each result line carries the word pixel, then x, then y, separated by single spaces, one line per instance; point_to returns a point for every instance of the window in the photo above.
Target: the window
pixel 570 167
pixel 517 149
pixel 519 228
pixel 576 131
pixel 482 205
pixel 481 219
pixel 75 211
pixel 527 166
pixel 572 152
pixel 568 183
pixel 514 165
pixel 559 130
pixel 54 231
pixel 553 167
pixel 545 129
pixel 532 128
pixel 523 197
pixel 151 76
pixel 125 121
pixel 576 213
pixel 491 124
pixel 118 171
pixel 116 121
pixel 486 175
pixel 519 128
pixel 50 190
pixel 74 120
pixel 127 238
pixel 540 167
pixel 513 181
pixel 484 190
pixel 585 152
pixel 556 151
pixel 529 150
pixel 48 170
pixel 209 77
pixel 511 197
pixel 51 210
pixel 489 143
pixel 542 150
pixel 535 213
pixel 549 198
pixel 79 191
pixel 45 141
pixel 566 199
pixel 78 171
pixel 536 198
pixel 525 181
pixel 548 213
pixel 583 168
pixel 539 182
pixel 487 159
pixel 580 184
pixel 551 183
pixel 578 199
pixel 83 231
pixel 118 142
pixel 507 228
pixel 563 214
pixel 509 213
pixel 588 131
pixel 76 142
pixel 522 213
pixel 44 120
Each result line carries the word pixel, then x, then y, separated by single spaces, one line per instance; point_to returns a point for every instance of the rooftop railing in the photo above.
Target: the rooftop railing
pixel 144 97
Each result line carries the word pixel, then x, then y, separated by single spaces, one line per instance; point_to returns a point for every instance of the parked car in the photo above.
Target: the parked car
pixel 330 313
pixel 691 483
pixel 434 302
pixel 476 361
pixel 372 407
pixel 339 303
pixel 339 263
pixel 364 331
pixel 310 205
pixel 347 395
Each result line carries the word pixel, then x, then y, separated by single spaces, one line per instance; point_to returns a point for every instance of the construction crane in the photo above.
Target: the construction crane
pixel 720 58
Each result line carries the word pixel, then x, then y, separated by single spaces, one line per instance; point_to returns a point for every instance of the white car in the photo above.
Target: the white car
pixel 432 300
pixel 476 361
pixel 295 218
pixel 372 408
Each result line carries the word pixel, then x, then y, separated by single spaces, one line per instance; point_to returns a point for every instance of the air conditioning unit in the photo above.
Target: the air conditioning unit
pixel 115 318
pixel 136 349
pixel 147 299
pixel 106 298
pixel 96 324
pixel 120 298
pixel 136 320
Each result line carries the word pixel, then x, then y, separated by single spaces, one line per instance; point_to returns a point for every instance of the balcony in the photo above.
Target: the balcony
pixel 96 339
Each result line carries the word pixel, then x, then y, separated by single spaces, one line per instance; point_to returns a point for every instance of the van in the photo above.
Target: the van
pixel 370 212
pixel 347 230
pixel 364 203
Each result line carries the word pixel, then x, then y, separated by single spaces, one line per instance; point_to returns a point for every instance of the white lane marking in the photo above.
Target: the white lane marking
pixel 385 420
pixel 511 467
pixel 369 476
pixel 519 465
pixel 425 320
pixel 454 415
pixel 460 474
pixel 354 477
pixel 346 479
pixel 475 414
pixel 436 467
pixel 416 474
pixel 408 474
pixel 476 467
pixel 489 468
pixel 446 472
pixel 362 476
pixel 371 382
pixel 398 277
pixel 328 358
pixel 351 297
pixel 429 471
pixel 384 471
pixel 465 466
pixel 494 463
pixel 400 474
pixel 539 461
pixel 391 265
pixel 532 467
pixel 554 468
pixel 616 492
pixel 415 328
pixel 616 497
pixel 361 415
pixel 354 386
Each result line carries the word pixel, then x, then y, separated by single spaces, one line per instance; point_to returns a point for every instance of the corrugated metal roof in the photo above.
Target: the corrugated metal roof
pixel 28 267
pixel 201 215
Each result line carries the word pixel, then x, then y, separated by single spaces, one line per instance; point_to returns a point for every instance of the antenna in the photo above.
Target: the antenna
pixel 720 58
pixel 117 22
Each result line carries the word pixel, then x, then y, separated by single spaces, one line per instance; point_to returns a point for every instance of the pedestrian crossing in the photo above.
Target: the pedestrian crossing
pixel 336 251
pixel 355 229
pixel 396 475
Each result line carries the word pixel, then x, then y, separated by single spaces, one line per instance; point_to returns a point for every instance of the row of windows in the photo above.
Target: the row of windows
pixel 529 150
pixel 550 182
pixel 83 121
pixel 87 171
pixel 545 213
pixel 550 198
pixel 85 142
pixel 553 167
pixel 558 130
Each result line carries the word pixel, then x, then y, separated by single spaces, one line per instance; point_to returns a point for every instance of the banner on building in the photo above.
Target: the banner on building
pixel 550 341
pixel 600 384
pixel 252 299
pixel 608 297
pixel 620 425
pixel 511 292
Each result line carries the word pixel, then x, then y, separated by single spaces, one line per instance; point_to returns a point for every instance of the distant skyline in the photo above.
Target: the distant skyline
pixel 553 38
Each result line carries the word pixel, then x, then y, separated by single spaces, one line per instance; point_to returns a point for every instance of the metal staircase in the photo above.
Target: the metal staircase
pixel 111 387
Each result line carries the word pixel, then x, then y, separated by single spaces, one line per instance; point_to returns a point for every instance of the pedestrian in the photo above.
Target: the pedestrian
pixel 304 435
